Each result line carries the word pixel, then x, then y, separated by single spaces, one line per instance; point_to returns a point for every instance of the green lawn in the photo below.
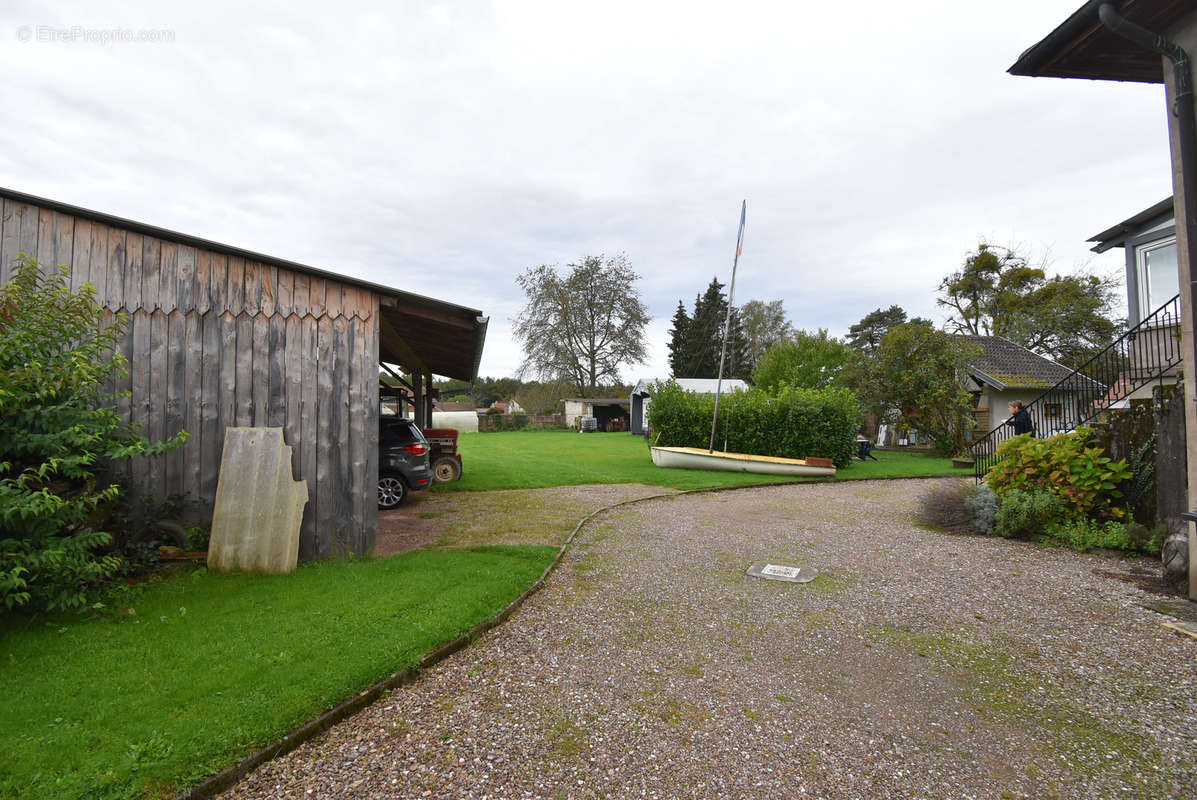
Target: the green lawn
pixel 539 459
pixel 207 668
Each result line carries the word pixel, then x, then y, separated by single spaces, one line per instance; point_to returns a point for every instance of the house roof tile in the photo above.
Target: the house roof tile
pixel 1004 364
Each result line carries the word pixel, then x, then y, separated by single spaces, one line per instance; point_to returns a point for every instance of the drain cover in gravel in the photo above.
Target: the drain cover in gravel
pixel 782 572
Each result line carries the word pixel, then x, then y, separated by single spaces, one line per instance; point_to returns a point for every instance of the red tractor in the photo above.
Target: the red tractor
pixel 443 456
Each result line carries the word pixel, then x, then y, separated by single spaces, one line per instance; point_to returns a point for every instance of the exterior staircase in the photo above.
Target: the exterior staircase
pixel 1149 353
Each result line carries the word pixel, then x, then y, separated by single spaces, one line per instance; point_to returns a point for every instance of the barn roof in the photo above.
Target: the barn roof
pixel 417 332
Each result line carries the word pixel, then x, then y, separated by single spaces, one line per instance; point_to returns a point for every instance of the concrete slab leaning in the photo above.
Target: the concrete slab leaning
pixel 259 506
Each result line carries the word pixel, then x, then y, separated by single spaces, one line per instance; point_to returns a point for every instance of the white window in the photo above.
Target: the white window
pixel 1158 277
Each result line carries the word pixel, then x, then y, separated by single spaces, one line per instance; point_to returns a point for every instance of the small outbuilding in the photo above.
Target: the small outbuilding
pixel 610 412
pixel 219 336
pixel 641 397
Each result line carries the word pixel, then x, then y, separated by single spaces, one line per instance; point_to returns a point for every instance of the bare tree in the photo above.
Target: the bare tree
pixel 581 325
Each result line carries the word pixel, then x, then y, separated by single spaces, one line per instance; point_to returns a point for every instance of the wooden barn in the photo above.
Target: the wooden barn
pixel 219 336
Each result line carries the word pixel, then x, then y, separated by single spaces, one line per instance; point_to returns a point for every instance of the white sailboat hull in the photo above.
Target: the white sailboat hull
pixel 695 458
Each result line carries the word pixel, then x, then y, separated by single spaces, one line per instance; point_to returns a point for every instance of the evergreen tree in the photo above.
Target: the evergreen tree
pixel 677 339
pixel 704 339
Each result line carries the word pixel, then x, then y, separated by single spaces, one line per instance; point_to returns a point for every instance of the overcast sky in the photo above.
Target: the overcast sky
pixel 442 148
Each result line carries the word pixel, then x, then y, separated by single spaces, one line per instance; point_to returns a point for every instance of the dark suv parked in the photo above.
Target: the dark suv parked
pixel 402 461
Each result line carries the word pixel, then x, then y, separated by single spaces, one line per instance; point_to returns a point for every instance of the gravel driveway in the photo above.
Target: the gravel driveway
pixel 917 664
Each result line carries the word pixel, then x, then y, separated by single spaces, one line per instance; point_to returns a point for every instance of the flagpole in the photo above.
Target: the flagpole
pixel 731 300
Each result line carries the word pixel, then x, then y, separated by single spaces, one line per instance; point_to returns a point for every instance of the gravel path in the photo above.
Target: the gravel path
pixel 917 665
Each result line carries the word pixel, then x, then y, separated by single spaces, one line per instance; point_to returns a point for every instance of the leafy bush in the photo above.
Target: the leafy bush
pixel 795 424
pixel 1084 479
pixel 1024 514
pixel 519 421
pixel 945 507
pixel 982 504
pixel 1085 534
pixel 58 430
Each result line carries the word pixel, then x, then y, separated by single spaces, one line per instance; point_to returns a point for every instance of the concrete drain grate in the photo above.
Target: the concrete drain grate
pixel 782 572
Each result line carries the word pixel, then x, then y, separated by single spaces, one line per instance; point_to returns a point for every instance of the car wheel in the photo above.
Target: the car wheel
pixel 392 491
pixel 446 469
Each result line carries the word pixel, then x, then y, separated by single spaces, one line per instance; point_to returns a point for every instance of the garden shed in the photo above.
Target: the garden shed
pixel 218 336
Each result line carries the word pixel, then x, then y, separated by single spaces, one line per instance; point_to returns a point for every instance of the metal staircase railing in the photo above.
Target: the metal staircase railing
pixel 1148 352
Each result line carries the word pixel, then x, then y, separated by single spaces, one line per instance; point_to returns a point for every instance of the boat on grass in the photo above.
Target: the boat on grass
pixel 697 458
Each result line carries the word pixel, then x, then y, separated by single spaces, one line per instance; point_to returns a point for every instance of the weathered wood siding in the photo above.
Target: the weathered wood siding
pixel 213 340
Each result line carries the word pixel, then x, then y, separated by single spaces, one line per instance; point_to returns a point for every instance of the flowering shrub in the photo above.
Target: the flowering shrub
pixel 1082 476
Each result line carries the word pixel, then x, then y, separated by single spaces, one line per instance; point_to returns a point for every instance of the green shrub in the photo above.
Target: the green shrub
pixel 1084 479
pixel 794 424
pixel 982 504
pixel 58 431
pixel 1085 534
pixel 1024 514
pixel 519 421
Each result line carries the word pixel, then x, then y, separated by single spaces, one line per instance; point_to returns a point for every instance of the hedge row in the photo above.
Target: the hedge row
pixel 795 423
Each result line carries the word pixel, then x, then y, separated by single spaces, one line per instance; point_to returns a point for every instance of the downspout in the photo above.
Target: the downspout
pixel 1186 127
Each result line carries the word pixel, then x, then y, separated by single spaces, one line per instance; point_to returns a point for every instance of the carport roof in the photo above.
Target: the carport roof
pixel 1081 47
pixel 419 333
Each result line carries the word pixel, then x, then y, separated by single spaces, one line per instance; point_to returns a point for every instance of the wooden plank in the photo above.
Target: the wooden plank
pixel 293 391
pixel 218 283
pixel 193 395
pixel 185 287
pixel 176 398
pixel 27 233
pixel 253 288
pixel 134 248
pixel 369 357
pixel 227 402
pixel 10 229
pixel 117 254
pixel 316 292
pixel 347 537
pixel 300 304
pixel 261 373
pixel 245 371
pixel 64 239
pixel 168 278
pixel 97 274
pixel 276 402
pixel 332 298
pixel 80 253
pixel 284 301
pixel 268 280
pixel 211 431
pixel 202 297
pixel 45 238
pixel 235 286
pixel 326 478
pixel 309 412
pixel 151 272
pixel 356 480
pixel 139 386
pixel 156 418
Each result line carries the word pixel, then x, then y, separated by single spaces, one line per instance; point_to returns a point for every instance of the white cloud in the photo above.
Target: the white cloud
pixel 443 148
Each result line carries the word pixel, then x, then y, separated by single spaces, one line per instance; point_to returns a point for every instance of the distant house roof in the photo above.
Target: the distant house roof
pixel 1116 236
pixel 599 401
pixel 1003 364
pixel 1082 47
pixel 696 385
